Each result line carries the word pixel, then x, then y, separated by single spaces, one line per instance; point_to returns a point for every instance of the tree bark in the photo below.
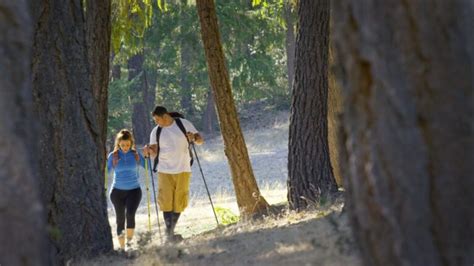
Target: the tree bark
pixel 249 200
pixel 140 122
pixel 290 43
pixel 310 176
pixel 70 137
pixel 23 237
pixel 98 34
pixel 407 78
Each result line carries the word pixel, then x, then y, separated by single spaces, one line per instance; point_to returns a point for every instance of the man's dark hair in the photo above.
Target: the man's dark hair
pixel 159 111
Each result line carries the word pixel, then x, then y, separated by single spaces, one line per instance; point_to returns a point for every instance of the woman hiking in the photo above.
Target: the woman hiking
pixel 126 194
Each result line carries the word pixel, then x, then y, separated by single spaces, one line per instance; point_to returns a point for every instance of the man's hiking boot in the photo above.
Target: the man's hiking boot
pixel 173 239
pixel 177 238
pixel 171 219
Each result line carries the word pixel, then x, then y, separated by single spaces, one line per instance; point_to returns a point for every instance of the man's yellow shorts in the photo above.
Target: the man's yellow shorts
pixel 173 192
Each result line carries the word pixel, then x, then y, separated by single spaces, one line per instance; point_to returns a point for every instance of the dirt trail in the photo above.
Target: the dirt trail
pixel 318 237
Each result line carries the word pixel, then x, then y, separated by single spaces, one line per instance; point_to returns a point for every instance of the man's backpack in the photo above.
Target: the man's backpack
pixel 177 118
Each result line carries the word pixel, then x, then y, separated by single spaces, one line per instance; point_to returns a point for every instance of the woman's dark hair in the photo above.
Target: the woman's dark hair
pixel 159 111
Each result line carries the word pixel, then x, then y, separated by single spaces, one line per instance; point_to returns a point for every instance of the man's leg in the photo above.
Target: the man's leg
pixel 168 217
pixel 181 198
pixel 166 187
pixel 174 219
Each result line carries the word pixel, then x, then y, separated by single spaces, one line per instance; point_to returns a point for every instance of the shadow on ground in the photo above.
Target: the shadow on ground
pixel 314 241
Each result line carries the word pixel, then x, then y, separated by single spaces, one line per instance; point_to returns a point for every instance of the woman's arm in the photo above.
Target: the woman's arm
pixel 142 159
pixel 110 165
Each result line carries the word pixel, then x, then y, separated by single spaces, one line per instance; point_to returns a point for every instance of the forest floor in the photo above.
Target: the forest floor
pixel 320 236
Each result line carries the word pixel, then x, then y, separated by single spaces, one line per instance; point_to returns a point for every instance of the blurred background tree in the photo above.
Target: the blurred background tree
pixel 158 58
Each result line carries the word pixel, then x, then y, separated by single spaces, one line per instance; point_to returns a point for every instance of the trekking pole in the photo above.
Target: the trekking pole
pixel 147 181
pixel 205 184
pixel 156 204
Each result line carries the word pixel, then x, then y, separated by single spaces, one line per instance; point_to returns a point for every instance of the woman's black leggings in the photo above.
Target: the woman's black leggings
pixel 125 203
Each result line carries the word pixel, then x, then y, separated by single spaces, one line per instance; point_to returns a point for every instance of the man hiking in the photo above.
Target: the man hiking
pixel 169 142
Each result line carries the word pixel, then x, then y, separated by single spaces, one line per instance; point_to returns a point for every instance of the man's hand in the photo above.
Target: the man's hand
pixel 149 150
pixel 146 151
pixel 191 137
pixel 194 138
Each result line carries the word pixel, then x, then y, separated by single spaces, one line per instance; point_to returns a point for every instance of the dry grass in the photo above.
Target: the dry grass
pixel 316 237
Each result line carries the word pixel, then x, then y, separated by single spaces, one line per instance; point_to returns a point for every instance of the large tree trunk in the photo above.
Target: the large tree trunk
pixel 310 176
pixel 290 43
pixel 408 124
pixel 70 135
pixel 23 237
pixel 249 200
pixel 140 122
pixel 98 30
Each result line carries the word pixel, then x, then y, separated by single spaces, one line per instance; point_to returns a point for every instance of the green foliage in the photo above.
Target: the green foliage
pixel 253 37
pixel 162 5
pixel 130 19
pixel 255 49
pixel 120 106
pixel 226 216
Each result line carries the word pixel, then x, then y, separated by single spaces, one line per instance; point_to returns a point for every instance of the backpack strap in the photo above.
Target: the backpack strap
pixel 179 123
pixel 181 126
pixel 137 157
pixel 115 157
pixel 155 162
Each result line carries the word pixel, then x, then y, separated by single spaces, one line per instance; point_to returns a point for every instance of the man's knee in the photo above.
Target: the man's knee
pixel 181 201
pixel 165 200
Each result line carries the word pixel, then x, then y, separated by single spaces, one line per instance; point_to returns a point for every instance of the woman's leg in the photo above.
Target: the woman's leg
pixel 118 200
pixel 133 201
